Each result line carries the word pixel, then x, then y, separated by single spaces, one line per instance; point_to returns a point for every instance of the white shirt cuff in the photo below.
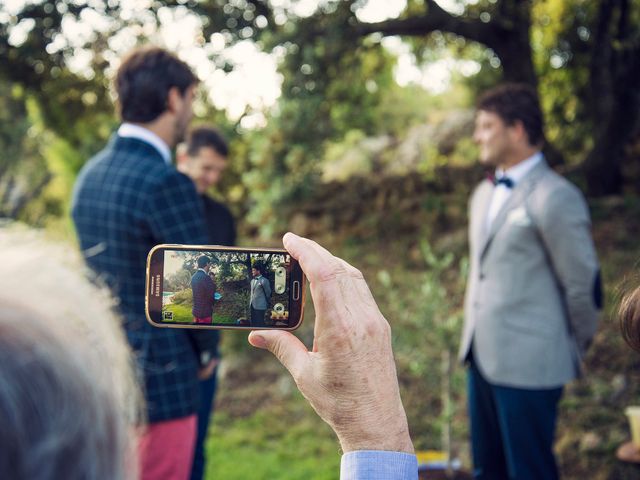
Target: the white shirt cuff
pixel 378 465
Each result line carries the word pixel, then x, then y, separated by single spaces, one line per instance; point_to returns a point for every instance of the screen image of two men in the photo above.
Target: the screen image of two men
pixel 225 288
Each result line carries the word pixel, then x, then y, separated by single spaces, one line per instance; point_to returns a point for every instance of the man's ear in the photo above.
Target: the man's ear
pixel 519 132
pixel 174 100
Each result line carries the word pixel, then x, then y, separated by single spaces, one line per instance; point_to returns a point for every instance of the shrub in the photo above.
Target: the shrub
pixel 183 297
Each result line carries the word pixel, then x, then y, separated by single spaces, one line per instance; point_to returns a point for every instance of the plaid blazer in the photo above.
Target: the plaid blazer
pixel 203 289
pixel 126 200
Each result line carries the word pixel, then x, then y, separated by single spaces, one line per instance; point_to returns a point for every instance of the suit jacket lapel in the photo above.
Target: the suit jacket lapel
pixel 520 192
pixel 480 233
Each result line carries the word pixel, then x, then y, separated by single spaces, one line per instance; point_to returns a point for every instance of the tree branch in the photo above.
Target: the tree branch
pixel 435 18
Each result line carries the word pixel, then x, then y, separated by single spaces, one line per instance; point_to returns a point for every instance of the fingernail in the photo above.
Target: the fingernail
pixel 257 341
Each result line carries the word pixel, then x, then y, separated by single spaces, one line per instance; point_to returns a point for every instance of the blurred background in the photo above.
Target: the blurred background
pixel 350 122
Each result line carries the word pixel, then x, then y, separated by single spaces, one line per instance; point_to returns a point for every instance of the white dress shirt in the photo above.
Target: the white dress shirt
pixel 501 192
pixel 129 130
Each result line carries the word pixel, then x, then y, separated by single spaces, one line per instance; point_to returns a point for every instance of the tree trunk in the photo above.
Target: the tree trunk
pixel 614 102
pixel 603 165
pixel 512 43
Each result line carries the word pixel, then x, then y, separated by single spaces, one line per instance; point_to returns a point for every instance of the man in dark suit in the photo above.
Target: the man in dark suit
pixel 203 289
pixel 203 158
pixel 127 199
pixel 533 293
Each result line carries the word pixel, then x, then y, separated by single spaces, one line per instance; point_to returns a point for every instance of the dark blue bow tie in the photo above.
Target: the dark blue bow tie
pixel 506 181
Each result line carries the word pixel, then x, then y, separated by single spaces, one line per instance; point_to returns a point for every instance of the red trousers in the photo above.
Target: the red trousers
pixel 166 449
pixel 202 320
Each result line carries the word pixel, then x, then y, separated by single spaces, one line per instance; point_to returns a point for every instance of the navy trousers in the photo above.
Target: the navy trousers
pixel 207 393
pixel 257 317
pixel 512 430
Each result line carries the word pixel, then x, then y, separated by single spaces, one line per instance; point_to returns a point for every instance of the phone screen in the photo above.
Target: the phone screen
pixel 220 287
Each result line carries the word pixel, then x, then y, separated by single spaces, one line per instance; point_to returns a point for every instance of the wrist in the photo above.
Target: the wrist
pixel 390 434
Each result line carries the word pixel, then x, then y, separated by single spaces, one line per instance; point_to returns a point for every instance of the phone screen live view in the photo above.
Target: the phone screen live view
pixel 226 288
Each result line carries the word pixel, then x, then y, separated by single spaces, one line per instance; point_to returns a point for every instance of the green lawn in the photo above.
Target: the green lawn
pixel 182 314
pixel 266 447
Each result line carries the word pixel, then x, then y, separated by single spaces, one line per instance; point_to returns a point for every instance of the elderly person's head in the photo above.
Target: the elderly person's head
pixel 68 399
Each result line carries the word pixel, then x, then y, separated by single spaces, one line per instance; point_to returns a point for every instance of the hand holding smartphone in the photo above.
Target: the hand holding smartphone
pixel 193 286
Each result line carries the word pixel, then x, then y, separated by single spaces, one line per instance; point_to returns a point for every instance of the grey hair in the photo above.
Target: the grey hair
pixel 68 396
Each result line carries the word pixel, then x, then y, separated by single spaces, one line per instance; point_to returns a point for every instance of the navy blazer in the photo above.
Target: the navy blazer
pixel 203 289
pixel 219 222
pixel 126 200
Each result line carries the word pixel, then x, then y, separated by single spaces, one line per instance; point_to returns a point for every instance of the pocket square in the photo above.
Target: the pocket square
pixel 519 217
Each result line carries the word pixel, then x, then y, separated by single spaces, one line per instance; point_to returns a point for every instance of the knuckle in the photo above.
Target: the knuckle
pixel 330 271
pixel 355 273
pixel 379 328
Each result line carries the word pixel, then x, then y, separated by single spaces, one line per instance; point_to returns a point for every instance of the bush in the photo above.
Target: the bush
pixel 183 297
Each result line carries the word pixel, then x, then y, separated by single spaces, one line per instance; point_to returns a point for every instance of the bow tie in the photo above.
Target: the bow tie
pixel 506 181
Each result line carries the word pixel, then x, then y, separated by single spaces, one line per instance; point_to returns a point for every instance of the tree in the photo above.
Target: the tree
pixel 75 106
pixel 613 94
pixel 334 72
pixel 23 170
pixel 608 94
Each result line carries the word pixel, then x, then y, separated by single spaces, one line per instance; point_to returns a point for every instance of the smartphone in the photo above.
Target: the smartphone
pixel 193 286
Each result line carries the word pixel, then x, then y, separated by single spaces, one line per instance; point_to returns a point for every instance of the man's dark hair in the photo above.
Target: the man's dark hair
pixel 143 82
pixel 206 137
pixel 203 261
pixel 514 102
pixel 258 266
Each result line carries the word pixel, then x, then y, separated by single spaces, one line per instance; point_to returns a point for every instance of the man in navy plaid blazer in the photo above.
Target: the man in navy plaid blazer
pixel 203 289
pixel 127 199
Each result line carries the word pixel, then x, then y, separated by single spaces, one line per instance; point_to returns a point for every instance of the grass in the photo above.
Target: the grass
pixel 263 428
pixel 269 446
pixel 182 314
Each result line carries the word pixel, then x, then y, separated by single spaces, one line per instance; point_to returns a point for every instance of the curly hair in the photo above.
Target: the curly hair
pixel 629 318
pixel 143 82
pixel 514 102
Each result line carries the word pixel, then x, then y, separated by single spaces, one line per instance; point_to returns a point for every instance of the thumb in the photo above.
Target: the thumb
pixel 287 348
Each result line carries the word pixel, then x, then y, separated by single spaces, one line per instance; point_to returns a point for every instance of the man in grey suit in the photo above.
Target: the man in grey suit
pixel 533 292
pixel 260 295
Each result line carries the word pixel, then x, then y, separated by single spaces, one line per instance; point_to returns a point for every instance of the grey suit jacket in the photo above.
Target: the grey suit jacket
pixel 531 306
pixel 260 293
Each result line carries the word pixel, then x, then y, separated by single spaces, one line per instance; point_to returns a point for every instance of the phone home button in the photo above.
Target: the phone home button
pixel 296 290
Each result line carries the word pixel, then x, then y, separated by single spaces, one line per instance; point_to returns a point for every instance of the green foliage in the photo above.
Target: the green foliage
pixel 559 37
pixel 75 106
pixel 25 170
pixel 419 288
pixel 183 297
pixel 337 83
pixel 180 280
pixel 329 89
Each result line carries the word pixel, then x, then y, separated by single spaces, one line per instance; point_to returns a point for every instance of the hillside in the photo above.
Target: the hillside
pixel 408 236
